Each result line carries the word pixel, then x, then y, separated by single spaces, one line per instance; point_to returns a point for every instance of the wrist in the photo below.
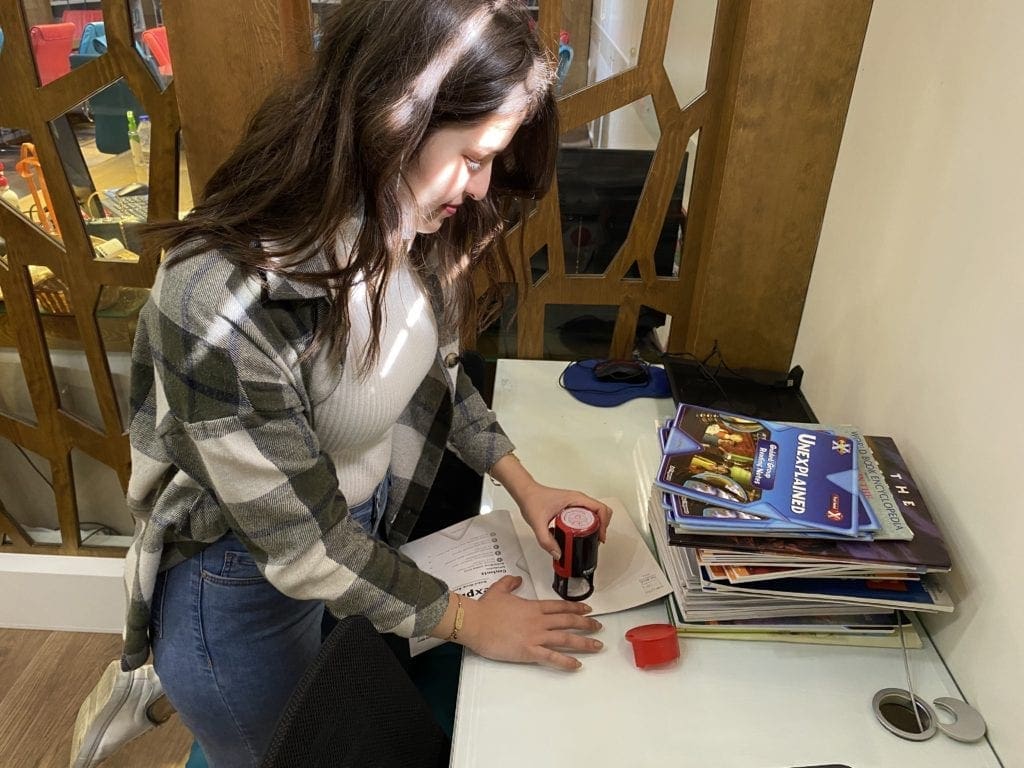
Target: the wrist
pixel 510 472
pixel 460 617
pixel 450 627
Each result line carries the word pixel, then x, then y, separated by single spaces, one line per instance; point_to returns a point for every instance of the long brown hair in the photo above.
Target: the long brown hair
pixel 330 147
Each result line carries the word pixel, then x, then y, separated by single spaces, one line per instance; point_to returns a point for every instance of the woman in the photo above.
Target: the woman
pixel 295 372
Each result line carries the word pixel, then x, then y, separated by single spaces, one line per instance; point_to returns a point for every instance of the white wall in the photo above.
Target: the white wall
pixel 912 325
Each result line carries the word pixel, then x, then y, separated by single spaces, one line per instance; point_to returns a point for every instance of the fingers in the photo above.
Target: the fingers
pixel 563 606
pixel 603 512
pixel 506 584
pixel 505 627
pixel 570 621
pixel 573 642
pixel 547 656
pixel 546 540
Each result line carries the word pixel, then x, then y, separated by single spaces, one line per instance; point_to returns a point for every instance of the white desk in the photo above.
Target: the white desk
pixel 725 704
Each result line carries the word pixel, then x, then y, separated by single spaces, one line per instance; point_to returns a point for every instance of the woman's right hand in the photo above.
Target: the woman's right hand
pixel 504 627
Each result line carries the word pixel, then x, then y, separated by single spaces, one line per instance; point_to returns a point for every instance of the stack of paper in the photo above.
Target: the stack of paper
pixel 771 528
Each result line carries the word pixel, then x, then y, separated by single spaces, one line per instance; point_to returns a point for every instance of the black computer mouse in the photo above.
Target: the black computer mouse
pixel 623 371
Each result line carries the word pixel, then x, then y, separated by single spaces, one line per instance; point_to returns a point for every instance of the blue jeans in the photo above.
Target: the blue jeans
pixel 229 648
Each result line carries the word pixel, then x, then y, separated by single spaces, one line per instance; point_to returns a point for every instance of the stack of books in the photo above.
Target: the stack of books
pixel 781 531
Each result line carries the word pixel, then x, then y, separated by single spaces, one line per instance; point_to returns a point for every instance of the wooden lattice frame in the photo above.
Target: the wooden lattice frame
pixel 677 122
pixel 27 105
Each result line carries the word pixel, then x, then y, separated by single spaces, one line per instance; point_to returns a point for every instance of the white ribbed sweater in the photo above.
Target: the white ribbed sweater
pixel 355 422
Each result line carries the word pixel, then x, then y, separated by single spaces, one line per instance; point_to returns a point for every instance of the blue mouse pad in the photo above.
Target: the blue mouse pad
pixel 581 382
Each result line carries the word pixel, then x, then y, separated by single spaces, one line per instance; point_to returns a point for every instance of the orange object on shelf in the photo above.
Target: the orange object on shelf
pixel 32 172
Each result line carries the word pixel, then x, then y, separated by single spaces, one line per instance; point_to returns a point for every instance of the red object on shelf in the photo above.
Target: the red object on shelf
pixel 156 41
pixel 653 644
pixel 51 45
pixel 80 18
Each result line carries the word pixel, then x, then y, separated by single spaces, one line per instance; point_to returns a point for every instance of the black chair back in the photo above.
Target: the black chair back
pixel 356 708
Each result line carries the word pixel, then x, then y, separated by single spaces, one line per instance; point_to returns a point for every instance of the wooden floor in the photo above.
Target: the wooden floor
pixel 44 677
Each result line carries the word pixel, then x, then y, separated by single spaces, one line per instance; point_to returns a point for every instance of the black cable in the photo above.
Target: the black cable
pixel 603 390
pixel 703 370
pixel 716 351
pixel 710 368
pixel 33 465
pixel 99 528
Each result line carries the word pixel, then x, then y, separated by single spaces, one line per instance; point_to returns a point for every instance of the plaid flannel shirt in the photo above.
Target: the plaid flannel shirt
pixel 222 439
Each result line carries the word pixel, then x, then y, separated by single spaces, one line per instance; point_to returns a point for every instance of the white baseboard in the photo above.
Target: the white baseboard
pixel 68 594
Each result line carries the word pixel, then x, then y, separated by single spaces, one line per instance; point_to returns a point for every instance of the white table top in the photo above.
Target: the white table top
pixel 727 704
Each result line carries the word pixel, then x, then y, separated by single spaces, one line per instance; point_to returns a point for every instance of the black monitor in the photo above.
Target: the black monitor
pixel 598 191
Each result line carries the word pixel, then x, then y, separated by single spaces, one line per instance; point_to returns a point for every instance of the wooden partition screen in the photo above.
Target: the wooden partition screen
pixel 630 281
pixel 769 119
pixel 71 314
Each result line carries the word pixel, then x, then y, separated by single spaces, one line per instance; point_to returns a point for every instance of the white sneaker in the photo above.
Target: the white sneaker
pixel 117 711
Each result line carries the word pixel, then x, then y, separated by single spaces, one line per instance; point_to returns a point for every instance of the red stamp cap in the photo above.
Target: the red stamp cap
pixel 653 644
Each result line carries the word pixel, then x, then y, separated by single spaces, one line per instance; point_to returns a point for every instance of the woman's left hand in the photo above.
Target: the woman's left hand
pixel 540 504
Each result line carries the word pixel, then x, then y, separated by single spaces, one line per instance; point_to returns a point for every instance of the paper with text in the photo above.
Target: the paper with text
pixel 473 554
pixel 470 556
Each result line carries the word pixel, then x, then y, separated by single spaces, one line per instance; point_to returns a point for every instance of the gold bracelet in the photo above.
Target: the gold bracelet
pixel 459 617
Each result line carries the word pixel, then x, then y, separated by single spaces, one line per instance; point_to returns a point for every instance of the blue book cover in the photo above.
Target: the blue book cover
pixel 802 476
pixel 925 551
pixel 688 514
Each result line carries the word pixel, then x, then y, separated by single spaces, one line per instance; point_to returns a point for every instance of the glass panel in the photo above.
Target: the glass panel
pixel 597 39
pixel 499 338
pixel 103 517
pixel 634 126
pixel 689 48
pixel 71 32
pixel 185 202
pixel 107 164
pixel 151 39
pixel 27 490
pixel 14 396
pixel 614 40
pixel 539 265
pixel 578 331
pixel 14 190
pixel 599 186
pixel 669 248
pixel 115 312
pixel 512 211
pixel 70 369
pixel 652 329
pixel 51 292
pixel 691 163
pixel 321 9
